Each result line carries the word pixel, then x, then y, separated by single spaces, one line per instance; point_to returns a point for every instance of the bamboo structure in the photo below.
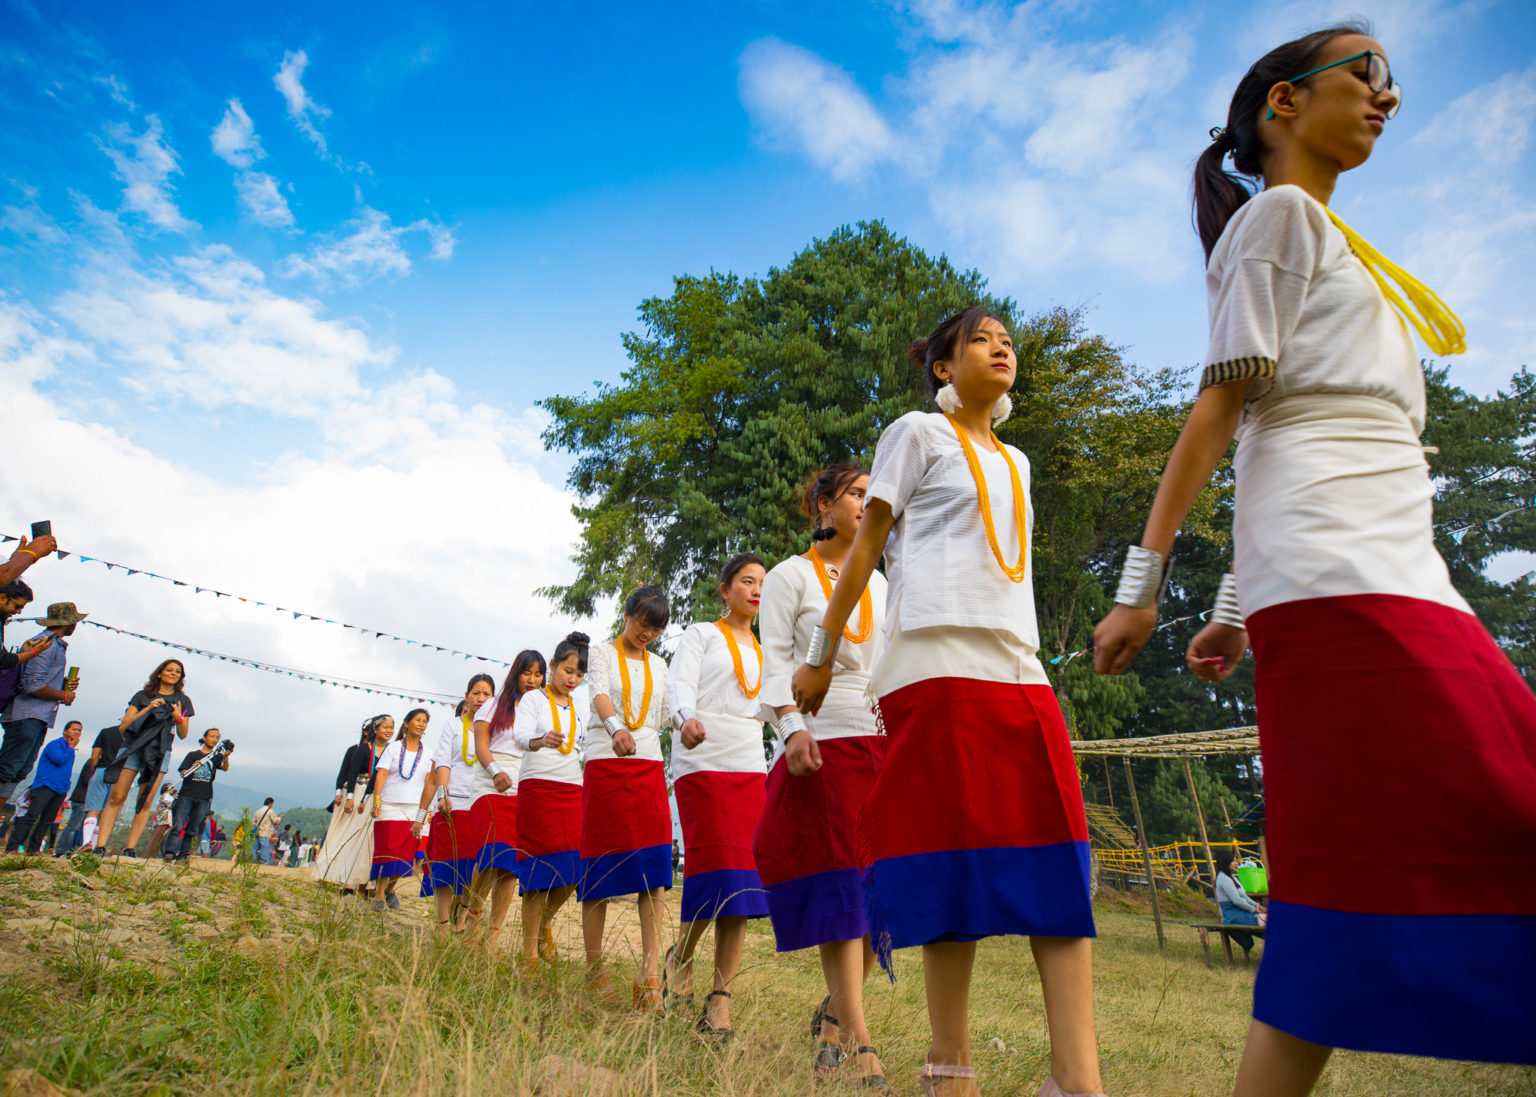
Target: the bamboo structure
pixel 1146 854
pixel 1205 838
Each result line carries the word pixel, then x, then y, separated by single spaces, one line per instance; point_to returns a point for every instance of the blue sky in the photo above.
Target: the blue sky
pixel 281 284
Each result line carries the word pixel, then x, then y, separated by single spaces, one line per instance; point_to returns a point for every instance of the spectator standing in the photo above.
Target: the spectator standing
pixel 295 844
pixel 284 844
pixel 39 693
pixel 154 715
pixel 15 596
pixel 104 770
pixel 160 819
pixel 266 822
pixel 48 790
pixel 69 840
pixel 194 804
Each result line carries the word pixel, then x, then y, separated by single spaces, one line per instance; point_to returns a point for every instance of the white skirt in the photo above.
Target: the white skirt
pixel 347 856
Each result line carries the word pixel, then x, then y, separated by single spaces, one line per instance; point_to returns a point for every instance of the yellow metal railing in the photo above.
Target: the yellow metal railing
pixel 1175 860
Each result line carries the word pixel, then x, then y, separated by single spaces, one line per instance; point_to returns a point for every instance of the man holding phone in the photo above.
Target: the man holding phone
pixel 29 552
pixel 39 694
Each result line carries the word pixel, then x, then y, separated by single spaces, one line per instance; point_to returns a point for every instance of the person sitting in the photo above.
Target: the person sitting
pixel 1237 909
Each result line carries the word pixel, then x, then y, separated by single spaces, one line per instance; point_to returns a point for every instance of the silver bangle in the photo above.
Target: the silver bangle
pixel 1143 578
pixel 421 815
pixel 494 769
pixel 1227 611
pixel 683 716
pixel 614 724
pixel 817 653
pixel 789 724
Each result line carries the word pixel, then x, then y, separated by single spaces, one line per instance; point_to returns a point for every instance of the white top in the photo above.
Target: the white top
pixel 940 564
pixel 793 604
pixel 506 752
pixel 1292 309
pixel 603 678
pixel 417 763
pixel 534 722
pixel 466 780
pixel 702 681
pixel 1334 496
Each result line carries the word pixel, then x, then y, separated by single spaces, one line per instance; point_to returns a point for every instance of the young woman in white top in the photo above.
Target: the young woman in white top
pixel 718 769
pixel 626 823
pixel 348 859
pixel 1367 660
pixel 807 846
pixel 453 841
pixel 975 825
pixel 500 758
pixel 399 780
pixel 549 731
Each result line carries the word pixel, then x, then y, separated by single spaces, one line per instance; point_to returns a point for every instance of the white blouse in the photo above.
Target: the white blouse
pixel 418 763
pixel 793 604
pixel 466 780
pixel 702 682
pixel 534 722
pixel 505 749
pixel 941 567
pixel 603 678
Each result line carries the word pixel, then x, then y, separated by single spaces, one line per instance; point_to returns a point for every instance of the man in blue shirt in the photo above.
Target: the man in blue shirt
pixel 36 704
pixel 48 791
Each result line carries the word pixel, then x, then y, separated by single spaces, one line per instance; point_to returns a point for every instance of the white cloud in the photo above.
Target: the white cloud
pixel 234 139
pixel 118 91
pixel 305 112
pixel 1493 121
pixel 262 201
pixel 372 246
pixel 144 163
pixel 32 222
pixel 803 102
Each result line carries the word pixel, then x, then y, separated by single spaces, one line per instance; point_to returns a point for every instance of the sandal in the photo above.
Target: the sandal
pixel 668 993
pixel 828 1058
pixel 873 1081
pixel 704 1028
pixel 548 950
pixel 646 995
pixel 934 1073
pixel 1050 1088
pixel 819 1016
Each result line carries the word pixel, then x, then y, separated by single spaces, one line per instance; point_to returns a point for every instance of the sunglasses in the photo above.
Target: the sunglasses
pixel 1378 76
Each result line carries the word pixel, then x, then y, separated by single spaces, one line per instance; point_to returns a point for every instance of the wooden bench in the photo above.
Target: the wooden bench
pixel 1205 929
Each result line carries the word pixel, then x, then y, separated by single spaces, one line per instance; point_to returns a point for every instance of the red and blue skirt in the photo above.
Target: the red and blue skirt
pixel 626 829
pixel 1399 750
pixel 809 848
pixel 975 826
pixel 498 820
pixel 453 850
pixel 719 812
pixel 549 834
pixel 394 846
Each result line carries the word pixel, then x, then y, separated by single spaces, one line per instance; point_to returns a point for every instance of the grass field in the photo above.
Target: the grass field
pixel 135 978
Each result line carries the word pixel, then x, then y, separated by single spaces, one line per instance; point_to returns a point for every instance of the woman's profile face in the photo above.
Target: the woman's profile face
pixel 478 695
pixel 530 679
pixel 1337 117
pixel 384 731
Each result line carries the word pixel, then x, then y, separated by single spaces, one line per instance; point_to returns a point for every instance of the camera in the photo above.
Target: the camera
pixel 225 746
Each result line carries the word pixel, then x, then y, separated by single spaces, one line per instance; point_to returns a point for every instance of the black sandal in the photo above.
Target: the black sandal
pixel 828 1057
pixel 819 1016
pixel 876 1082
pixel 667 993
pixel 704 1028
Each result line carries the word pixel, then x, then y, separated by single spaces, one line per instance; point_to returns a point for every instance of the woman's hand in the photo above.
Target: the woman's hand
pixel 502 782
pixel 1120 636
pixel 349 807
pixel 810 685
pixel 156 703
pixel 623 743
pixel 337 801
pixel 692 733
pixel 802 755
pixel 416 829
pixel 376 809
pixel 1215 651
pixel 553 739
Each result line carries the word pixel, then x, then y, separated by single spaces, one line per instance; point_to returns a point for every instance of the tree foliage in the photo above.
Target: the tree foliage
pixel 739 389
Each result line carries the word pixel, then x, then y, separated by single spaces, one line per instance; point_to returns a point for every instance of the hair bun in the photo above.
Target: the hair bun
pixel 580 639
pixel 917 354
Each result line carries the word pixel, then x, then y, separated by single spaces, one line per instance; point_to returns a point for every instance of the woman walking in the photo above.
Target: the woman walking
pixel 455 836
pixel 626 823
pixel 399 780
pixel 1367 660
pixel 347 859
pixel 155 714
pixel 718 770
pixel 807 846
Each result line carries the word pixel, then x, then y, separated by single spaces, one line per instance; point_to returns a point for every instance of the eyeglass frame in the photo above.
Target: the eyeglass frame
pixel 1367 54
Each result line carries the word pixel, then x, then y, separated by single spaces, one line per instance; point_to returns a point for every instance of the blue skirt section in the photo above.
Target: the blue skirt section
pixel 549 871
pixel 1452 986
pixel 813 910
pixel 628 872
pixel 500 855
pixel 725 893
pixel 454 875
pixel 965 895
pixel 389 868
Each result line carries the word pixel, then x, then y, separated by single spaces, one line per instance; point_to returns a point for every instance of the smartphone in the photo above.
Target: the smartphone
pixel 41 529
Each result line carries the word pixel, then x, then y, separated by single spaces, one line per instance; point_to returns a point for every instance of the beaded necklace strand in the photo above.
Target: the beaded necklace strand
pixel 1442 330
pixel 554 716
pixel 866 603
pixel 1017 572
pixel 636 722
pixel 741 675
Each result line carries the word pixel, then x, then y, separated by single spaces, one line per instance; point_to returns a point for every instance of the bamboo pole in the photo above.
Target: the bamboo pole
pixel 1109 787
pixel 1146 854
pixel 1205 839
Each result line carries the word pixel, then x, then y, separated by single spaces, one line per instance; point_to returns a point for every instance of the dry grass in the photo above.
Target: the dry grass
pixel 139 979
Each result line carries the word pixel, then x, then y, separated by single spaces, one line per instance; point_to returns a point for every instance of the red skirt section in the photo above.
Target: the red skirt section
pixel 623 806
pixel 811 824
pixel 549 817
pixel 458 838
pixel 1399 759
pixel 393 845
pixel 973 765
pixel 495 819
pixel 719 813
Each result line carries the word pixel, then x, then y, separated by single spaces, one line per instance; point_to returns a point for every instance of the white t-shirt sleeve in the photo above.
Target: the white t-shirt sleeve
pixel 683 675
pixel 902 459
pixel 527 727
pixel 776 630
pixel 487 710
pixel 600 677
pixel 1257 284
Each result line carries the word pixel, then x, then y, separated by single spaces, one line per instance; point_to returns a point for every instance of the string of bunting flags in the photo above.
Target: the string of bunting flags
pixel 424 696
pixel 1062 660
pixel 298 614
